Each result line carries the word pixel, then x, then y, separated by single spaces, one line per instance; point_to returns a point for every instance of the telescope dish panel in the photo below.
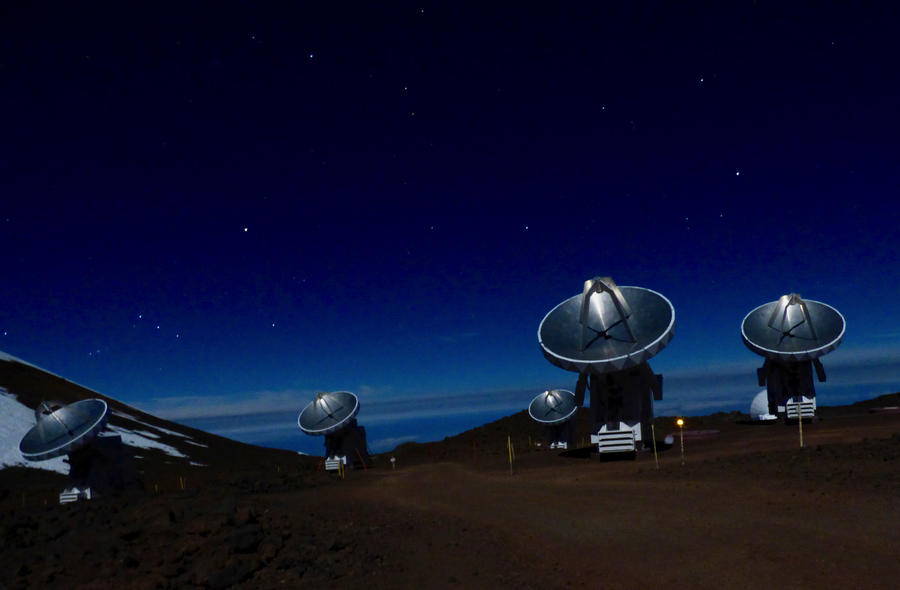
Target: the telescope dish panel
pixel 64 430
pixel 329 412
pixel 793 329
pixel 553 407
pixel 606 328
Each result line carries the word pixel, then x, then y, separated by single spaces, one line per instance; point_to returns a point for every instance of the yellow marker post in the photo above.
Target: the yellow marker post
pixel 680 423
pixel 655 456
pixel 509 448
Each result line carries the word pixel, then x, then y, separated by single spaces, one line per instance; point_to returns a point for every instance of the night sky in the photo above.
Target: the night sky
pixel 219 209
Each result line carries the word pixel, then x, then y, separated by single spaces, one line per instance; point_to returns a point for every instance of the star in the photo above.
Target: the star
pixel 245 230
pixel 737 172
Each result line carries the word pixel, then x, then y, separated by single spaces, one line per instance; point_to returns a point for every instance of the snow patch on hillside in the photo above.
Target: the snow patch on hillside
pixel 145 424
pixel 134 439
pixel 146 434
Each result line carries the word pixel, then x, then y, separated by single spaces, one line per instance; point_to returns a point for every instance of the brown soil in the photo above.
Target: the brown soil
pixel 749 509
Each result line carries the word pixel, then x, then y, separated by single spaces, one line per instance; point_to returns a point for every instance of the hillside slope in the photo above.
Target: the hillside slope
pixel 163 450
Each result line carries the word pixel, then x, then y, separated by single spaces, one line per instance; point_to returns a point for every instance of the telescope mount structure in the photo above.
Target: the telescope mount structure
pixel 98 462
pixel 554 409
pixel 606 335
pixel 333 415
pixel 792 333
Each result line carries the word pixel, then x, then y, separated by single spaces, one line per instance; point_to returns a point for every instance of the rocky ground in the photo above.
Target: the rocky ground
pixel 749 508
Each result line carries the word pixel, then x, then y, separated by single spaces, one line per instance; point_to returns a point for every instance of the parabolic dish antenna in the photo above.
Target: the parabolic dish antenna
pixel 606 328
pixel 553 407
pixel 793 329
pixel 329 412
pixel 64 430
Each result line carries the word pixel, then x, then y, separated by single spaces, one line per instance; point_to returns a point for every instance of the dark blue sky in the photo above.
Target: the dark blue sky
pixel 389 199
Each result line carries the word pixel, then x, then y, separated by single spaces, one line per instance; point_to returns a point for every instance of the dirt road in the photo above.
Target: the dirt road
pixel 748 510
pixel 773 517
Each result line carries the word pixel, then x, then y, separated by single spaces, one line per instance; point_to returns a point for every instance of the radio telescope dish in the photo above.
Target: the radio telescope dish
pixel 328 413
pixel 606 328
pixel 606 335
pixel 64 430
pixel 793 329
pixel 553 407
pixel 333 414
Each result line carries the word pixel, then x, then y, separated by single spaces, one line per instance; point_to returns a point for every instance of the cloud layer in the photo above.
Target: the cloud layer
pixel 264 417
